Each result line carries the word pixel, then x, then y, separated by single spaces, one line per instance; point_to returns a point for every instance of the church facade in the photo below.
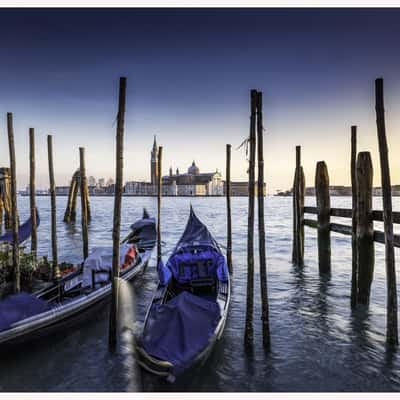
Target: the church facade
pixel 191 183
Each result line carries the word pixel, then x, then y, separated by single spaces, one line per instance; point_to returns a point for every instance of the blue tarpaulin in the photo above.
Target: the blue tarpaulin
pixel 20 306
pixel 24 231
pixel 197 255
pixel 180 329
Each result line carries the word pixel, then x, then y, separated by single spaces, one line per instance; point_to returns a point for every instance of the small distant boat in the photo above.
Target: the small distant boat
pixel 189 309
pixel 24 231
pixel 27 316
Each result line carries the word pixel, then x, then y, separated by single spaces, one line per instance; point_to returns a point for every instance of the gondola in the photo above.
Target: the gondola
pixel 189 309
pixel 65 301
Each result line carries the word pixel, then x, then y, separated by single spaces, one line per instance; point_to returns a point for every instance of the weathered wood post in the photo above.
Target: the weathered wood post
pixel 1 215
pixel 298 211
pixel 391 323
pixel 32 191
pixel 84 218
pixel 87 200
pixel 112 338
pixel 14 208
pixel 324 219
pixel 55 269
pixel 365 227
pixel 250 224
pixel 5 187
pixel 159 194
pixel 228 208
pixel 261 225
pixel 354 268
pixel 71 192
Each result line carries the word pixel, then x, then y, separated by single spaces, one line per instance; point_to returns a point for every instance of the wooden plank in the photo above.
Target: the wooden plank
pixel 310 223
pixel 340 228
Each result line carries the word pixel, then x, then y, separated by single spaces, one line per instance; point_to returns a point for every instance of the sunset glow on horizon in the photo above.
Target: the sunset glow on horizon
pixel 189 74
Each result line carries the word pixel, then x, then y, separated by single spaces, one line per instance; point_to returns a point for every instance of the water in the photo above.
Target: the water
pixel 318 344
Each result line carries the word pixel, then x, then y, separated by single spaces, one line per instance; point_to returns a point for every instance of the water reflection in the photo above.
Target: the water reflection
pixel 317 342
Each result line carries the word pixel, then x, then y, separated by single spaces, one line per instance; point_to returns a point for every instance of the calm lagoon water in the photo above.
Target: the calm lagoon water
pixel 318 344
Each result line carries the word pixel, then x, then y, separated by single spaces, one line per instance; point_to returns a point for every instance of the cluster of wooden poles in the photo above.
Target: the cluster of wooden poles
pixel 8 200
pixel 362 216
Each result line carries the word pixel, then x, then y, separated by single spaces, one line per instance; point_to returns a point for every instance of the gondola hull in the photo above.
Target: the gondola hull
pixel 71 300
pixel 163 369
pixel 189 309
pixel 66 315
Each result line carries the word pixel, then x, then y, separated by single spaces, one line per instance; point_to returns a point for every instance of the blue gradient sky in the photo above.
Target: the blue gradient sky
pixel 189 75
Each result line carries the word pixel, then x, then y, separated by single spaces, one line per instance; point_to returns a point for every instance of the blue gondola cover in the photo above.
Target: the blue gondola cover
pixel 18 307
pixel 178 330
pixel 24 231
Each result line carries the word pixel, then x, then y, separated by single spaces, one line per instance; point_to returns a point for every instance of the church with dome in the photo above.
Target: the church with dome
pixel 191 183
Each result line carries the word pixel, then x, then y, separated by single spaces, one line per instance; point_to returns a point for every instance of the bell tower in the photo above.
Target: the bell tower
pixel 154 163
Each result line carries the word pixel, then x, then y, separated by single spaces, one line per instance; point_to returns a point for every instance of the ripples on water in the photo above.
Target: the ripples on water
pixel 318 344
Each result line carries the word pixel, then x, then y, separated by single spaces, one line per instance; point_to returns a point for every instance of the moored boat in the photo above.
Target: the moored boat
pixel 189 309
pixel 28 316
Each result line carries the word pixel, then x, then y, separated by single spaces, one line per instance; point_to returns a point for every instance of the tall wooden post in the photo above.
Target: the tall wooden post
pixel 32 191
pixel 159 194
pixel 56 271
pixel 261 225
pixel 324 208
pixel 298 211
pixel 14 208
pixel 354 268
pixel 228 208
pixel 82 173
pixel 250 224
pixel 391 323
pixel 112 338
pixel 365 227
pixel 1 214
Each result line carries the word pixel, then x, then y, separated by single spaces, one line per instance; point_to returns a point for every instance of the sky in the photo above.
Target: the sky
pixel 189 75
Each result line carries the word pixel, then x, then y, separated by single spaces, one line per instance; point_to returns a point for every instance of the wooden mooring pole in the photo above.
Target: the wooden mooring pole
pixel 228 209
pixel 159 194
pixel 391 323
pixel 298 212
pixel 55 269
pixel 248 338
pixel 323 208
pixel 14 208
pixel 112 338
pixel 84 212
pixel 365 227
pixel 261 225
pixel 32 191
pixel 354 268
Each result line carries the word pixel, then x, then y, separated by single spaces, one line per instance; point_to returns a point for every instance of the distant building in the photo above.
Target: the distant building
pixel 241 188
pixel 192 183
pixel 62 190
pixel 91 181
pixel 101 182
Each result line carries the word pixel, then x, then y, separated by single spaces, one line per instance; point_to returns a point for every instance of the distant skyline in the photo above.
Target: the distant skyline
pixel 189 75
